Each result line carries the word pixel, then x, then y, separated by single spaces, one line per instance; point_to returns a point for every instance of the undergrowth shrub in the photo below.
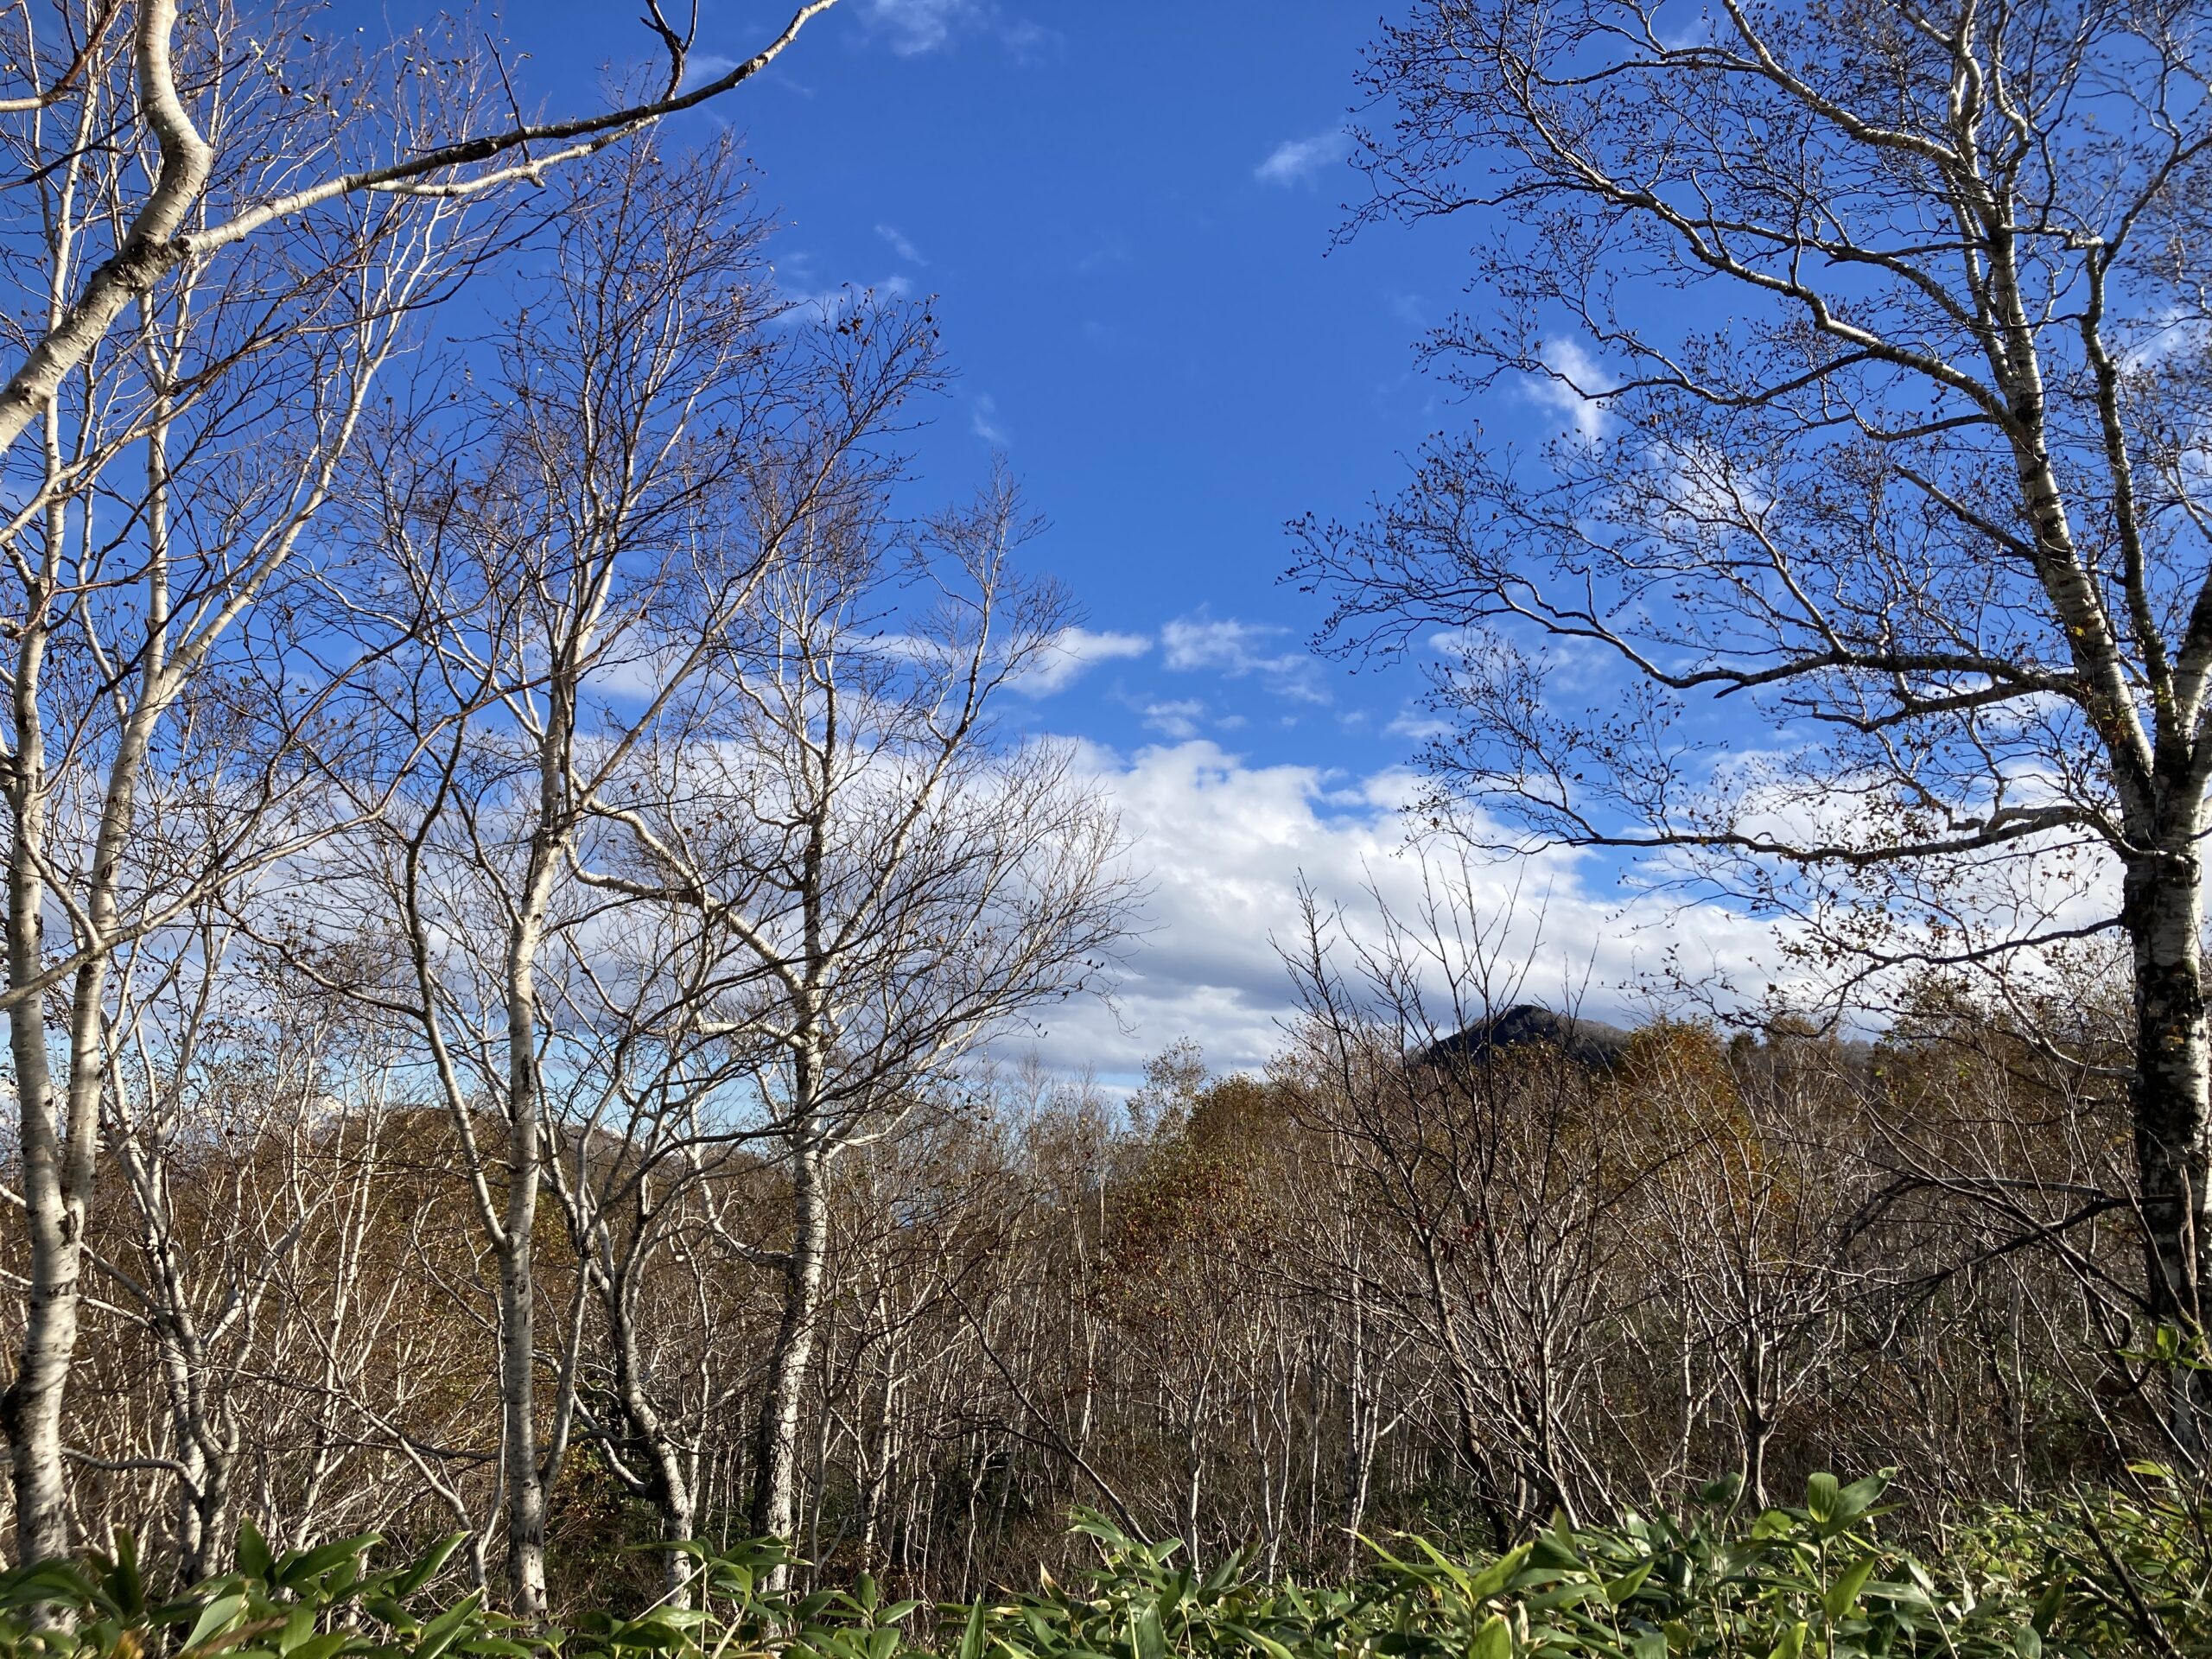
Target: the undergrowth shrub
pixel 2103 1573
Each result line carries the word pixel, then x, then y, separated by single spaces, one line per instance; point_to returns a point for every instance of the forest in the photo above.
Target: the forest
pixel 536 880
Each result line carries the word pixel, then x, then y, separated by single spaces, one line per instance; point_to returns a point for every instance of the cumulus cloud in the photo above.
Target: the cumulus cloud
pixel 1235 649
pixel 1071 652
pixel 1295 159
pixel 1224 846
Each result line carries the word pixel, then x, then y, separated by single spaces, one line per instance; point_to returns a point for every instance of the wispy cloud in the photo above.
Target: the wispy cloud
pixel 984 419
pixel 1411 722
pixel 1234 649
pixel 1575 387
pixel 829 304
pixel 1110 248
pixel 900 245
pixel 914 26
pixel 703 67
pixel 911 27
pixel 1072 652
pixel 1177 720
pixel 1296 160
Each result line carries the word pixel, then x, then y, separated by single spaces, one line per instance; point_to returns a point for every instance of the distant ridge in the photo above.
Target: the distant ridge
pixel 1589 1042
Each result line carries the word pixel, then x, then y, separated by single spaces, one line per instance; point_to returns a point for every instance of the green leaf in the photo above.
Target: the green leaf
pixel 1861 1496
pixel 427 1566
pixel 440 1633
pixel 296 1570
pixel 1493 1641
pixel 1619 1590
pixel 1146 1636
pixel 1843 1594
pixel 297 1629
pixel 1493 1579
pixel 215 1616
pixel 1792 1645
pixel 1820 1494
pixel 2047 1604
pixel 971 1638
pixel 1266 1644
pixel 253 1556
pixel 2027 1643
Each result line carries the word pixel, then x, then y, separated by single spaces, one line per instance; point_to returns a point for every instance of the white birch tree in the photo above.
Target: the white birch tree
pixel 1877 331
pixel 889 884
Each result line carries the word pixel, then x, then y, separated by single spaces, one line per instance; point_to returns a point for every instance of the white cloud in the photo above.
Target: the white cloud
pixel 984 419
pixel 1073 650
pixel 1575 382
pixel 1177 719
pixel 832 304
pixel 911 27
pixel 900 245
pixel 1224 846
pixel 1235 650
pixel 701 66
pixel 1297 159
pixel 917 26
pixel 1417 725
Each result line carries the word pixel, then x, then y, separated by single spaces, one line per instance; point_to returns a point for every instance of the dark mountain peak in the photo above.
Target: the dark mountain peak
pixel 1590 1042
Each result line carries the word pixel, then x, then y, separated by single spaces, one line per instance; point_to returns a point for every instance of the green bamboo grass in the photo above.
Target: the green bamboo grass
pixel 2106 1573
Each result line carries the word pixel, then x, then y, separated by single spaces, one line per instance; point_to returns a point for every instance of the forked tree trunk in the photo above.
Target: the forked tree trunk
pixel 2164 911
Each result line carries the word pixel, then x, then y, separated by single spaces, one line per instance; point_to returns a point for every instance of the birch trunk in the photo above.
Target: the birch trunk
pixel 524 1473
pixel 2163 910
pixel 775 1501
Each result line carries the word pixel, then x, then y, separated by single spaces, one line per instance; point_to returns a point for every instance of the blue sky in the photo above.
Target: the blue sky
pixel 1126 214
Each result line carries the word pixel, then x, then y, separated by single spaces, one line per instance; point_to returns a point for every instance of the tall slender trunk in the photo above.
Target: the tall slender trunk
pixel 1360 1411
pixel 521 1477
pixel 61 1149
pixel 30 1410
pixel 2163 910
pixel 775 1498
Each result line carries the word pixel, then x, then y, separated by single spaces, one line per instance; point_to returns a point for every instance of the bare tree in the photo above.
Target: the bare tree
pixel 161 730
pixel 446 127
pixel 1495 1169
pixel 578 542
pixel 220 183
pixel 887 884
pixel 1881 325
